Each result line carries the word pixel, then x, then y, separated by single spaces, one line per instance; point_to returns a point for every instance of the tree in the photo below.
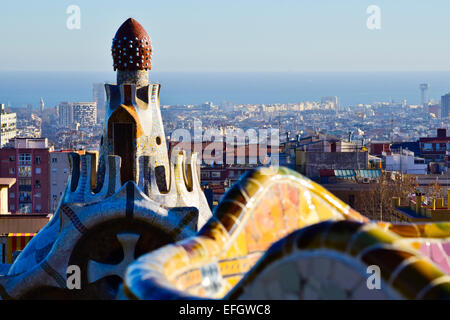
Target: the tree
pixel 376 201
pixel 435 191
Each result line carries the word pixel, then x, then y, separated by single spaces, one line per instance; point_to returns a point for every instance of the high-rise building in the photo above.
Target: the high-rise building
pixel 42 105
pixel 65 111
pixel 333 100
pixel 85 113
pixel 445 106
pixel 27 160
pixel 8 129
pixel 98 94
pixel 424 93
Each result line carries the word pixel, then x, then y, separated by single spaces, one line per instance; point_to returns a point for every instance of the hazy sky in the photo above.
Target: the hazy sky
pixel 233 35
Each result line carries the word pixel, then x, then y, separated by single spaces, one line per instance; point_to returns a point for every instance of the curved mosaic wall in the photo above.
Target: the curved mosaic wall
pixel 277 235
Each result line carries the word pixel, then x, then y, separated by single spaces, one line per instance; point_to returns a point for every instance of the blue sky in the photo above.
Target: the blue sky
pixel 218 35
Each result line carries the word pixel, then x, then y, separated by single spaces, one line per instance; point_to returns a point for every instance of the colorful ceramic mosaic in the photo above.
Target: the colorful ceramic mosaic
pixel 248 250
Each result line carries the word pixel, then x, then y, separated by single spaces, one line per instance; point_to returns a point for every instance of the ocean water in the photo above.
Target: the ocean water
pixel 20 88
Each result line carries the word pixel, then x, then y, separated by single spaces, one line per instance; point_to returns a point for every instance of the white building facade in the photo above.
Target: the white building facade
pixel 405 162
pixel 8 126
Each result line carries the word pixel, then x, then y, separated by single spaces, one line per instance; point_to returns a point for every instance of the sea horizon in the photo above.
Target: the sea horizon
pixel 19 88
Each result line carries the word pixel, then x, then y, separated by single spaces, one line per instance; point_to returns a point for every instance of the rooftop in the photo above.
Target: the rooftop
pixel 7 182
pixel 28 143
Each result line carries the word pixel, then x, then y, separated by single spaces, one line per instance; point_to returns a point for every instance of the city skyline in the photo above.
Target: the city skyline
pixel 185 88
pixel 307 198
pixel 263 36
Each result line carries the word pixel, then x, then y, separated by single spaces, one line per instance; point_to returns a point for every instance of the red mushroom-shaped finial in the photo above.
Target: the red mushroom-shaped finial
pixel 131 47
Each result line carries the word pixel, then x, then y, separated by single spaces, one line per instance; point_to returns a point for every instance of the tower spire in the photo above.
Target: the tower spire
pixel 133 126
pixel 132 53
